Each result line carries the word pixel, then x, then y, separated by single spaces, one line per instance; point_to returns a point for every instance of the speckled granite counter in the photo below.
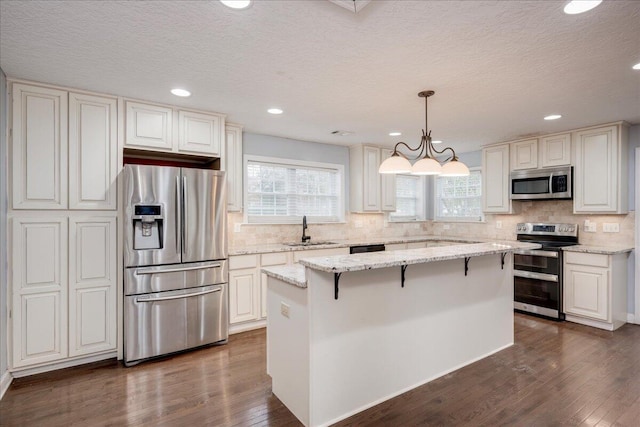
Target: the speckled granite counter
pixel 285 247
pixel 292 274
pixel 604 250
pixel 368 261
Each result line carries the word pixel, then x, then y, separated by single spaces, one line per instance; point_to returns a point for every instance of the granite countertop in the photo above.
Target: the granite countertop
pixel 605 250
pixel 284 247
pixel 291 273
pixel 368 261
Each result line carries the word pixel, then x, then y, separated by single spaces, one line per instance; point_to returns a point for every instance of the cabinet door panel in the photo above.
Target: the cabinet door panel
pixel 39 146
pixel 200 133
pixel 371 179
pixel 93 152
pixel 148 126
pixel 233 167
pixel 524 154
pixel 388 186
pixel 495 179
pixel 92 285
pixel 244 294
pixel 587 293
pixel 556 150
pixel 39 288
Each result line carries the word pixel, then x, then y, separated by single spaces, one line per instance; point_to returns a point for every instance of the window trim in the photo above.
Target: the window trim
pixel 425 214
pixel 271 220
pixel 437 218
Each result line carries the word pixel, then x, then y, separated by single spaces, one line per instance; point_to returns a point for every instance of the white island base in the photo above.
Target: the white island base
pixel 330 359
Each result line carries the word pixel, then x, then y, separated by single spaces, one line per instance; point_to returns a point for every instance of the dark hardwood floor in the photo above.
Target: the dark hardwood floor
pixel 555 374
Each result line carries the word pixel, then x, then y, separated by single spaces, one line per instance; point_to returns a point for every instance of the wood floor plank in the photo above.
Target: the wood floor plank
pixel 554 374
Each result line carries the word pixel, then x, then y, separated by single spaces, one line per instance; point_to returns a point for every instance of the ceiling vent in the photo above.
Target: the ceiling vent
pixel 354 6
pixel 341 132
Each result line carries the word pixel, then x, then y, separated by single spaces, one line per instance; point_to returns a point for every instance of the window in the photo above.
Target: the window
pixel 459 198
pixel 410 199
pixel 282 191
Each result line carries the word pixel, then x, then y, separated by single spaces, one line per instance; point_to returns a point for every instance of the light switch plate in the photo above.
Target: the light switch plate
pixel 498 224
pixel 237 228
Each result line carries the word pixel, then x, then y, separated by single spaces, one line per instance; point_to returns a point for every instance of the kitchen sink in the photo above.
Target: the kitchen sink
pixel 301 244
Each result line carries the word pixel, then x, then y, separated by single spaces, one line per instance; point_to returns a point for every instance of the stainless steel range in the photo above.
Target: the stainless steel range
pixel 537 280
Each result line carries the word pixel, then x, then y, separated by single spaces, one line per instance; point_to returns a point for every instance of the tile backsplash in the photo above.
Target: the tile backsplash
pixel 361 226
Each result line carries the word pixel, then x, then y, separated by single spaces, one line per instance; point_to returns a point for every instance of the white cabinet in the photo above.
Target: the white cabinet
pixel 200 133
pixel 364 179
pixel 154 127
pixel 148 126
pixel 555 150
pixel 600 173
pixel 39 147
pixel 495 179
pixel 92 285
pixel 524 154
pixel 387 186
pixel 267 260
pixel 93 152
pixel 39 290
pixel 232 164
pixel 369 191
pixel 244 288
pixel 595 289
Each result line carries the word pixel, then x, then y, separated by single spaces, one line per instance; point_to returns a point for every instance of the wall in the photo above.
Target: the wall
pixel 3 223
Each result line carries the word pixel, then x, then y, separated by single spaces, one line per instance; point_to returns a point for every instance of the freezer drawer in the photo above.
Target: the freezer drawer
pixel 144 280
pixel 166 322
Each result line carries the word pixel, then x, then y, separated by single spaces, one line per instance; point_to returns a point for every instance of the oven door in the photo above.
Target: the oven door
pixel 537 261
pixel 537 293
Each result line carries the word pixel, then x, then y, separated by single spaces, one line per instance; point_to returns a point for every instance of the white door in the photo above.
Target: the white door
pixel 244 292
pixel 92 285
pixel 524 154
pixel 555 150
pixel 233 167
pixel 148 126
pixel 39 290
pixel 39 146
pixel 371 179
pixel 587 292
pixel 495 179
pixel 200 133
pixel 93 152
pixel 387 185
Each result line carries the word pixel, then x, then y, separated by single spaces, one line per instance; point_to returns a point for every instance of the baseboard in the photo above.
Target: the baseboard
pixel 631 318
pixel 5 382
pixel 248 326
pixel 23 372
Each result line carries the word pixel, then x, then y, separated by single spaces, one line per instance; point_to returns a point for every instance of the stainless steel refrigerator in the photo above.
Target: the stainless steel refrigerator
pixel 175 258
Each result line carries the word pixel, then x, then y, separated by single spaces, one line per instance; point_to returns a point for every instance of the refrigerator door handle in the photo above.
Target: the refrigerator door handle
pixel 151 298
pixel 161 269
pixel 185 232
pixel 178 207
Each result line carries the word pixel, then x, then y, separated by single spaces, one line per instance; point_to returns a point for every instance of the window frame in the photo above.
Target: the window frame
pixel 302 164
pixel 457 219
pixel 422 182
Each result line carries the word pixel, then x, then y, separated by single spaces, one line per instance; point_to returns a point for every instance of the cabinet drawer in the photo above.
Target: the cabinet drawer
pixel 595 260
pixel 243 261
pixel 277 258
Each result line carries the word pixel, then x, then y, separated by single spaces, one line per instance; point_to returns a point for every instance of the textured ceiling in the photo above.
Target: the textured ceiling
pixel 497 67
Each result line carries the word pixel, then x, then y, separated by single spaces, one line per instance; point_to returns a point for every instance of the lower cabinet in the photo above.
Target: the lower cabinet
pixel 63 288
pixel 595 289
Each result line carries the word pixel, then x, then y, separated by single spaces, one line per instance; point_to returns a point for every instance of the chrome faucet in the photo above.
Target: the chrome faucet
pixel 305 238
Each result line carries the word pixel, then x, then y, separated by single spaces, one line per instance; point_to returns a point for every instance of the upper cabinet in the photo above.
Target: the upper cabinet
pixel 153 127
pixel 600 169
pixel 39 146
pixel 555 150
pixel 367 187
pixel 93 152
pixel 524 154
pixel 56 169
pixel 495 179
pixel 387 185
pixel 232 164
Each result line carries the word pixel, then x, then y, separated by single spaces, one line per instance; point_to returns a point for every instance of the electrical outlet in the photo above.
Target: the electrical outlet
pixel 590 226
pixel 611 227
pixel 357 224
pixel 284 309
pixel 498 224
pixel 237 228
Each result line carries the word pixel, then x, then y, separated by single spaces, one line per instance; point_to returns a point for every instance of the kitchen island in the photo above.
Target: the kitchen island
pixel 348 332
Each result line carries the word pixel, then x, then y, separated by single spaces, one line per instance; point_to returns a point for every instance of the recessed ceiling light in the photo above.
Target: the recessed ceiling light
pixel 637 66
pixel 436 142
pixel 180 92
pixel 236 4
pixel 579 6
pixel 553 117
pixel 274 111
pixel 395 133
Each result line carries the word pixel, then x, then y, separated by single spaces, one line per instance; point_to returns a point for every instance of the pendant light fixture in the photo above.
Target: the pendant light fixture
pixel 426 162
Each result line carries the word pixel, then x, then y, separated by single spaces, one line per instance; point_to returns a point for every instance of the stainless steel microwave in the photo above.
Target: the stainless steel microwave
pixel 541 184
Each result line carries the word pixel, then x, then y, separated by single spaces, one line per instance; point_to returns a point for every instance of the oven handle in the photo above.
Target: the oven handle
pixel 546 254
pixel 195 294
pixel 537 276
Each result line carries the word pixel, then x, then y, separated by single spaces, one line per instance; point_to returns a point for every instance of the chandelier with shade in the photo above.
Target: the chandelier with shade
pixel 425 154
